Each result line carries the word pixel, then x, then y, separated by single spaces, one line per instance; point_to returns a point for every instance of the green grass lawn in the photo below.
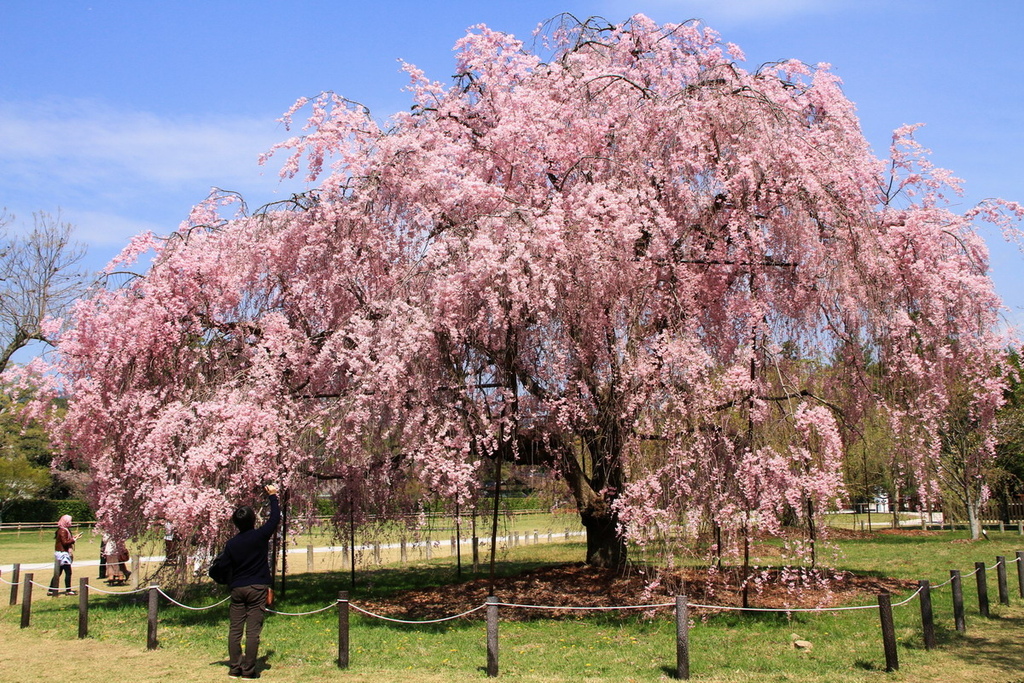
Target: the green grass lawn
pixel 727 646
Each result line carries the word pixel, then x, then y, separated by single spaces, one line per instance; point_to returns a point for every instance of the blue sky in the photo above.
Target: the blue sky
pixel 123 114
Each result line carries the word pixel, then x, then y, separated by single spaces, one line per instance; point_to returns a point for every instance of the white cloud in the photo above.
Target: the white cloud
pixel 85 142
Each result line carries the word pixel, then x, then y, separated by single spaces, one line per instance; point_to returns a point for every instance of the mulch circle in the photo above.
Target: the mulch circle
pixel 580 585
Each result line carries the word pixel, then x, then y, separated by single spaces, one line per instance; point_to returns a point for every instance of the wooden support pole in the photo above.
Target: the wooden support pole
pixel 454 545
pixel 26 600
pixel 682 639
pixel 492 636
pixel 83 607
pixel 1004 591
pixel 14 580
pixel 136 564
pixel 309 559
pixel 927 618
pixel 403 551
pixel 154 601
pixel 979 574
pixel 343 630
pixel 958 601
pixel 476 554
pixel 1020 572
pixel 892 662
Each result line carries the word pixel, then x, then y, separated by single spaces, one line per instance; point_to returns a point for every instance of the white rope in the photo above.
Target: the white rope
pixel 596 608
pixel 944 583
pixel 425 621
pixel 780 609
pixel 993 566
pixel 128 592
pixel 300 614
pixel 912 596
pixel 18 583
pixel 967 576
pixel 195 609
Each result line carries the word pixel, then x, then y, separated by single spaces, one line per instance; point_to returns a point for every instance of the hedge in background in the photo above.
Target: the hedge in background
pixel 47 511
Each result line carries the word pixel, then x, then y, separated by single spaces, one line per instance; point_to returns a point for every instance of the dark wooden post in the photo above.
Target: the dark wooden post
pixel 682 639
pixel 343 632
pixel 888 632
pixel 1020 572
pixel 17 574
pixel 1004 591
pixel 476 554
pixel 979 574
pixel 958 601
pixel 83 607
pixel 154 601
pixel 927 619
pixel 26 600
pixel 492 636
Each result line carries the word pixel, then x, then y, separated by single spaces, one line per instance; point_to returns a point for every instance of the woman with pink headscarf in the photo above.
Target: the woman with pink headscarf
pixel 63 549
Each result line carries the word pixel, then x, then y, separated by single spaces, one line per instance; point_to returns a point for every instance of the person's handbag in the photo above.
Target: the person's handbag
pixel 220 569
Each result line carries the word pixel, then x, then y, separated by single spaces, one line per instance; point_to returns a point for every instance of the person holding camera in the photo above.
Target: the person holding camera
pixel 246 553
pixel 63 556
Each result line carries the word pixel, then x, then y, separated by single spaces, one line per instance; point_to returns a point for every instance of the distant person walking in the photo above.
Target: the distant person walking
pixel 63 556
pixel 250 584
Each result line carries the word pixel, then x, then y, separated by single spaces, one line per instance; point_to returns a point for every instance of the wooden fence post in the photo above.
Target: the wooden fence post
pixel 682 639
pixel 927 619
pixel 979 574
pixel 1020 572
pixel 309 559
pixel 888 632
pixel 17 574
pixel 1004 591
pixel 26 600
pixel 958 601
pixel 403 552
pixel 492 636
pixel 453 546
pixel 343 631
pixel 154 600
pixel 476 554
pixel 136 564
pixel 83 607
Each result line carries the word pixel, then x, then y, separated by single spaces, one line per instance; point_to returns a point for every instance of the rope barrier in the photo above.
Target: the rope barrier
pixel 594 608
pixel 18 583
pixel 424 621
pixel 992 567
pixel 97 589
pixel 195 609
pixel 301 614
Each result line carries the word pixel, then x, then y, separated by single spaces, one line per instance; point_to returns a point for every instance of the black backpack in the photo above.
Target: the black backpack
pixel 221 569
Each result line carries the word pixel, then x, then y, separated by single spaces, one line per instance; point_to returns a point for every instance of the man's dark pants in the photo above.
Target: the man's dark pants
pixel 247 611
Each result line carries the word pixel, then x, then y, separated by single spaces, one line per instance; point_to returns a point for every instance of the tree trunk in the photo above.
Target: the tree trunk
pixel 605 547
pixel 974 516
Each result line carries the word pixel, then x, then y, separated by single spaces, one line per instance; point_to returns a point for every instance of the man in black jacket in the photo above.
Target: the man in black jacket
pixel 250 582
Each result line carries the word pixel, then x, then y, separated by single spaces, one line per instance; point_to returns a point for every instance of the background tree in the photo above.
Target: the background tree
pixel 609 260
pixel 40 275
